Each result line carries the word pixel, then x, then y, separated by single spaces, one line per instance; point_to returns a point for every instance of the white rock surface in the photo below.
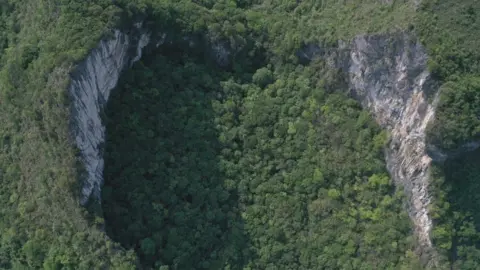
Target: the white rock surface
pixel 90 88
pixel 390 77
pixel 388 74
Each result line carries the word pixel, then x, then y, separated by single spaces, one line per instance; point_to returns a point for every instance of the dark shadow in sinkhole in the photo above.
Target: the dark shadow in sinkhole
pixel 457 230
pixel 164 193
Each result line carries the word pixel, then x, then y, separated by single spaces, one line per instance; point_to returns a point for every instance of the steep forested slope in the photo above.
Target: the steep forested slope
pixel 450 30
pixel 263 163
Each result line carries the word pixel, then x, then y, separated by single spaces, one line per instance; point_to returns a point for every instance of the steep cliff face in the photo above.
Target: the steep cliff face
pixel 388 75
pixel 94 79
pixel 90 88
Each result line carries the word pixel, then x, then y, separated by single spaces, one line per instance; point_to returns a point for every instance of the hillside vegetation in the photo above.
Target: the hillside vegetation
pixel 265 164
pixel 450 30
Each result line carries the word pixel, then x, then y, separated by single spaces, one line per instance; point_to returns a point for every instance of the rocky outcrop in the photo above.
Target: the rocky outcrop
pixel 388 75
pixel 90 87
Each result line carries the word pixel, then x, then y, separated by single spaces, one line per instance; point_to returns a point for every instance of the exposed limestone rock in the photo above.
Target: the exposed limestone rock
pixel 388 75
pixel 90 88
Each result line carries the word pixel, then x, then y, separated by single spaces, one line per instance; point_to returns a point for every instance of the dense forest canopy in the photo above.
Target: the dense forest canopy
pixel 264 163
pixel 247 175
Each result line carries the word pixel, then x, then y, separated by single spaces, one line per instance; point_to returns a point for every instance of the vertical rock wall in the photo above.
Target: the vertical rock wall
pixel 90 88
pixel 388 75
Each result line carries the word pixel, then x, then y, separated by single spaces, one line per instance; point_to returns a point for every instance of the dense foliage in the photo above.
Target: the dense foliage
pixel 41 224
pixel 269 174
pixel 164 191
pixel 450 31
pixel 309 171
pixel 457 122
pixel 263 164
pixel 456 233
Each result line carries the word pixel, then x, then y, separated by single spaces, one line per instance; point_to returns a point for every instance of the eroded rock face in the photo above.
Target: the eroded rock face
pixel 388 75
pixel 90 88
